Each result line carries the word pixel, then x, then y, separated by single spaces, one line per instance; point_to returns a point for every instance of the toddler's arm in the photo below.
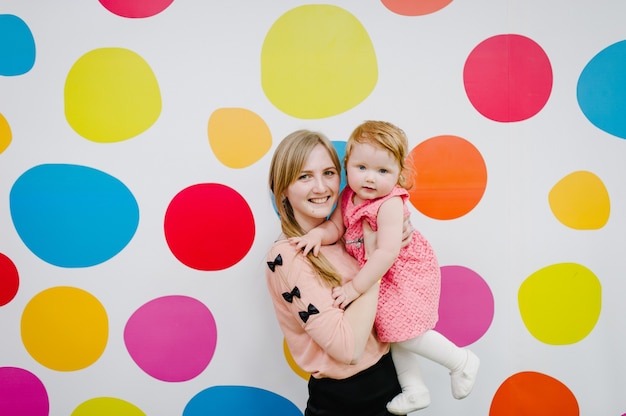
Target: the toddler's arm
pixel 328 232
pixel 390 221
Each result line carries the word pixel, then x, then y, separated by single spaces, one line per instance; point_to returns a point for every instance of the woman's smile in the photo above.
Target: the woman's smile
pixel 319 200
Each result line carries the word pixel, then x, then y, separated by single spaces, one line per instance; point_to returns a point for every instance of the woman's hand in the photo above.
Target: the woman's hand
pixel 369 235
pixel 369 238
pixel 407 231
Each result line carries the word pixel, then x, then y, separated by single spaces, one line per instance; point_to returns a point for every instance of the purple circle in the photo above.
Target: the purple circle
pixel 466 306
pixel 22 393
pixel 171 338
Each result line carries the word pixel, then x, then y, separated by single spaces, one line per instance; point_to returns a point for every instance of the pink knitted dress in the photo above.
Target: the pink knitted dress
pixel 408 300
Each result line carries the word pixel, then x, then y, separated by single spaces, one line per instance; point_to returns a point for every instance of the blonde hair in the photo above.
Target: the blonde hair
pixel 387 136
pixel 287 163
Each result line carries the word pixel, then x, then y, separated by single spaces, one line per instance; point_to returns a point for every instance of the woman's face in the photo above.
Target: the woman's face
pixel 314 192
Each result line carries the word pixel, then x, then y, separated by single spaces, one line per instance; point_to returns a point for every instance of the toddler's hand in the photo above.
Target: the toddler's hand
pixel 306 243
pixel 344 295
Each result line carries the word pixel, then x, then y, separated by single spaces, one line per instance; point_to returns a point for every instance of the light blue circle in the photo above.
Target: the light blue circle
pixel 73 216
pixel 17 46
pixel 340 147
pixel 239 401
pixel 601 90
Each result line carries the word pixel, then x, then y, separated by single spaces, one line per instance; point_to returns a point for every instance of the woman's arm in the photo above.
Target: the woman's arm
pixel 342 335
pixel 360 316
pixel 362 310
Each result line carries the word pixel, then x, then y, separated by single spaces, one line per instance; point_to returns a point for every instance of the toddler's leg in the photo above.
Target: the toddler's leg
pixel 462 363
pixel 414 394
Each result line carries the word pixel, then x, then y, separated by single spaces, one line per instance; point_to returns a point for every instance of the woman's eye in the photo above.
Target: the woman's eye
pixel 303 176
pixel 329 173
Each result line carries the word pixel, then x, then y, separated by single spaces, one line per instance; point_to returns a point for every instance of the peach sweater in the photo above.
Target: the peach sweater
pixel 319 338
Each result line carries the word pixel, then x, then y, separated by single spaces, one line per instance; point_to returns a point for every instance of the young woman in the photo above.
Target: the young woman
pixel 411 279
pixel 352 372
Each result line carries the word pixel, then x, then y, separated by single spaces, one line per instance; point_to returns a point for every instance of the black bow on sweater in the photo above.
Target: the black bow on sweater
pixel 289 295
pixel 304 315
pixel 278 261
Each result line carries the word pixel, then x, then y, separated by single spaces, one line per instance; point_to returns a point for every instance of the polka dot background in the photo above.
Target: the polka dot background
pixel 135 140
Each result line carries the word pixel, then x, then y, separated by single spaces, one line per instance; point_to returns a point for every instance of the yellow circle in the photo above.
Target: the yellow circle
pixel 238 137
pixel 294 366
pixel 111 95
pixel 64 328
pixel 317 61
pixel 5 134
pixel 560 304
pixel 580 201
pixel 105 406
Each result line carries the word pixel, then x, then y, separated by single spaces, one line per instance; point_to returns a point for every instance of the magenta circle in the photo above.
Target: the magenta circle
pixel 22 393
pixel 466 306
pixel 171 338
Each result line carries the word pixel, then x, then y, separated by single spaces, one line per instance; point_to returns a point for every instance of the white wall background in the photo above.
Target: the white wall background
pixel 510 234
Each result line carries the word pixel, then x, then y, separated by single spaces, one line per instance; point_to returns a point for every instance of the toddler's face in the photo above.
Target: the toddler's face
pixel 371 171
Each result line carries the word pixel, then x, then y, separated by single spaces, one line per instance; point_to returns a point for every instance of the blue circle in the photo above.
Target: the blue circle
pixel 601 90
pixel 73 216
pixel 239 401
pixel 340 147
pixel 17 46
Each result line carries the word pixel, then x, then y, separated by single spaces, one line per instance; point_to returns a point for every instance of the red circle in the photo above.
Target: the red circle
pixel 209 227
pixel 9 280
pixel 508 78
pixel 136 8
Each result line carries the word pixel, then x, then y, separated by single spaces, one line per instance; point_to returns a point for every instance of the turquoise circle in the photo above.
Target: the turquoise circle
pixel 72 216
pixel 17 46
pixel 601 90
pixel 239 401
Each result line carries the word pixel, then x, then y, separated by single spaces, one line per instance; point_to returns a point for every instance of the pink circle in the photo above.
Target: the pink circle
pixel 508 78
pixel 9 280
pixel 209 227
pixel 171 338
pixel 22 393
pixel 135 8
pixel 466 306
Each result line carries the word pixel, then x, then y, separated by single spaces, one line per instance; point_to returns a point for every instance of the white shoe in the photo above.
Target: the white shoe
pixel 407 402
pixel 464 379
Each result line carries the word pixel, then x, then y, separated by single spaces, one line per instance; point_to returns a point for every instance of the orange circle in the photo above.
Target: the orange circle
pixel 415 7
pixel 449 177
pixel 65 328
pixel 531 393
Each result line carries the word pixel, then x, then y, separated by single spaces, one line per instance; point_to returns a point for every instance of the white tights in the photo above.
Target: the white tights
pixel 431 345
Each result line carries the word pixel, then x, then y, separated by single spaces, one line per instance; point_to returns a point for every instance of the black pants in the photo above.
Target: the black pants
pixel 363 394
